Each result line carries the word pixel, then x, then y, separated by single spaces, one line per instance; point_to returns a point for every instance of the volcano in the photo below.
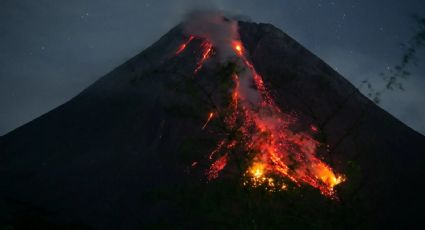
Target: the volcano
pixel 219 124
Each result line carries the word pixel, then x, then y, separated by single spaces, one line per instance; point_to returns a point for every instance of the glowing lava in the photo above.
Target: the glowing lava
pixel 256 177
pixel 210 116
pixel 206 53
pixel 216 167
pixel 184 45
pixel 277 152
pixel 207 49
pixel 257 170
pixel 237 45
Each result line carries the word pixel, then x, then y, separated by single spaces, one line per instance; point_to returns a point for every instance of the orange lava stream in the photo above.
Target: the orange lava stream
pixel 217 166
pixel 210 116
pixel 207 49
pixel 276 150
pixel 206 53
pixel 184 45
pixel 281 150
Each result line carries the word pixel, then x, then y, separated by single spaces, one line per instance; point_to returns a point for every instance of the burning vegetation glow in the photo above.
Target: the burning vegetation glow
pixel 277 154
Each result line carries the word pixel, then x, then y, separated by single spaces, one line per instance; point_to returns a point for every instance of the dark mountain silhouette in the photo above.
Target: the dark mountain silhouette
pixel 119 155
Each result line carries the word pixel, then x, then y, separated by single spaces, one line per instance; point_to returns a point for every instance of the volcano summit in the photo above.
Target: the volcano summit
pixel 219 124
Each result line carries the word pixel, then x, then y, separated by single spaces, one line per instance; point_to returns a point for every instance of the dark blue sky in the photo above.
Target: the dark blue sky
pixel 50 50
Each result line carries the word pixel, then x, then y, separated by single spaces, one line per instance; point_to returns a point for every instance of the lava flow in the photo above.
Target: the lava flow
pixel 184 45
pixel 274 150
pixel 210 116
pixel 207 49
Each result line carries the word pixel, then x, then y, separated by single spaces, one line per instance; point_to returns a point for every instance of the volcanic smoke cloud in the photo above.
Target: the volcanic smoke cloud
pixel 212 26
pixel 278 155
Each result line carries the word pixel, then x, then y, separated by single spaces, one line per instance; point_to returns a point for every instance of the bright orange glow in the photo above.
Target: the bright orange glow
pixel 216 167
pixel 281 155
pixel 256 176
pixel 257 170
pixel 210 116
pixel 326 175
pixel 184 45
pixel 206 52
pixel 217 149
pixel 237 46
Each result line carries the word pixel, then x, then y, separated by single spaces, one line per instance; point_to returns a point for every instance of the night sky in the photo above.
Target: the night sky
pixel 50 50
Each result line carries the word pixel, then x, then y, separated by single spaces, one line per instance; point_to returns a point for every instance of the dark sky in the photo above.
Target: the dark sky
pixel 50 50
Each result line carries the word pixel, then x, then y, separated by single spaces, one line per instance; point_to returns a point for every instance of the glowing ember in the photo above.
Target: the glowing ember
pixel 256 177
pixel 207 49
pixel 184 45
pixel 277 152
pixel 257 170
pixel 237 45
pixel 210 116
pixel 217 149
pixel 216 167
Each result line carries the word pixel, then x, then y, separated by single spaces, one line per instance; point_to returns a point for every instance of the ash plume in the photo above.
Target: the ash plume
pixel 215 27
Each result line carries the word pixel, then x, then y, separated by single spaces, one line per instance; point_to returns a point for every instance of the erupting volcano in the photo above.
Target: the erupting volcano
pixel 219 124
pixel 275 150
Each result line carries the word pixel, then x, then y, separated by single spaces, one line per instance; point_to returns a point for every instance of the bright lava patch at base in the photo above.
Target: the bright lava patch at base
pixel 277 153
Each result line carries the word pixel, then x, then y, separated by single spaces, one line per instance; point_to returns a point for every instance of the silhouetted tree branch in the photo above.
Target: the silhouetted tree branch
pixel 394 78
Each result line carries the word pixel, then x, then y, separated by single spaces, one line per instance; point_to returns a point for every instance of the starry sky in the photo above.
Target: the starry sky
pixel 50 50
